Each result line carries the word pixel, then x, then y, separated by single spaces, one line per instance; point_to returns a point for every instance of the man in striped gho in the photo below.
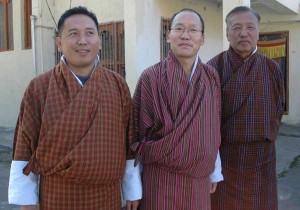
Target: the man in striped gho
pixel 177 117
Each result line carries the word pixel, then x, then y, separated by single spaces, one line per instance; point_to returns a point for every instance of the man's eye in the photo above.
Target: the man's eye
pixel 90 33
pixel 194 30
pixel 236 28
pixel 73 34
pixel 178 29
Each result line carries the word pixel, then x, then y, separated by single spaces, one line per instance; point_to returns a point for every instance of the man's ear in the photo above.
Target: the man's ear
pixel 167 35
pixel 202 40
pixel 100 45
pixel 58 44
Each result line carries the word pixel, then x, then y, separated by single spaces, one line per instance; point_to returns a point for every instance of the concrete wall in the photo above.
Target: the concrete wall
pixel 16 71
pixel 106 11
pixel 292 24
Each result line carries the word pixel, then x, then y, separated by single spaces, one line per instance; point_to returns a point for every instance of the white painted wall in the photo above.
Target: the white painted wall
pixel 106 11
pixel 291 24
pixel 16 71
pixel 142 35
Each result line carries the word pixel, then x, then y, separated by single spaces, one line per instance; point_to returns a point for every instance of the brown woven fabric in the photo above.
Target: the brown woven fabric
pixel 253 97
pixel 252 106
pixel 249 177
pixel 76 138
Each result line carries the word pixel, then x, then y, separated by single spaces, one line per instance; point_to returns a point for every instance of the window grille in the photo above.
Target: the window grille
pixel 164 46
pixel 112 53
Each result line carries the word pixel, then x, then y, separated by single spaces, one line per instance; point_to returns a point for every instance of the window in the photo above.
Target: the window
pixel 275 45
pixel 164 46
pixel 27 29
pixel 112 53
pixel 6 29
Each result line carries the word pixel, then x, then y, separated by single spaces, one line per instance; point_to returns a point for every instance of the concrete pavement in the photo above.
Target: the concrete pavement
pixel 288 167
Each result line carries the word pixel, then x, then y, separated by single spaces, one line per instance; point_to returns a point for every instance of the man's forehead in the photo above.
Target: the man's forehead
pixel 187 17
pixel 79 19
pixel 243 16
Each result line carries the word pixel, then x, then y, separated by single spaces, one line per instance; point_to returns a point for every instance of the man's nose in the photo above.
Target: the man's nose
pixel 244 32
pixel 82 39
pixel 185 33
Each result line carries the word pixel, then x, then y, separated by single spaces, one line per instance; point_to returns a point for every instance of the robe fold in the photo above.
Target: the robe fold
pixel 76 138
pixel 252 106
pixel 178 127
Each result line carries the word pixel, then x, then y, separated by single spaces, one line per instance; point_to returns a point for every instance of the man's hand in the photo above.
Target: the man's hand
pixel 213 187
pixel 29 207
pixel 132 205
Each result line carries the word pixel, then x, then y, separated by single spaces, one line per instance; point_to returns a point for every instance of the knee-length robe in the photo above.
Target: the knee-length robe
pixel 75 138
pixel 178 128
pixel 252 107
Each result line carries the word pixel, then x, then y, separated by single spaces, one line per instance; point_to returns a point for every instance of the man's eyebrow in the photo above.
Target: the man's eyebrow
pixel 91 28
pixel 72 29
pixel 75 29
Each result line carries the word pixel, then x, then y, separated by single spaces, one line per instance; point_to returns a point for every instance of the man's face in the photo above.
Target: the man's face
pixel 185 36
pixel 243 33
pixel 80 43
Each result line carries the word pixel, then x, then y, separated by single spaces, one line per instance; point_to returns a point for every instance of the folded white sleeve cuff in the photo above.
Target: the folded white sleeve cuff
pixel 217 175
pixel 22 189
pixel 132 183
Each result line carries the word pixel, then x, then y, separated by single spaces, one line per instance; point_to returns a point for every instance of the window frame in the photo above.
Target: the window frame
pixel 27 24
pixel 8 43
pixel 269 36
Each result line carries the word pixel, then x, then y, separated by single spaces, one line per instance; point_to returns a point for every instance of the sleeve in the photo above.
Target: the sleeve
pixel 131 182
pixel 143 108
pixel 217 175
pixel 281 93
pixel 22 189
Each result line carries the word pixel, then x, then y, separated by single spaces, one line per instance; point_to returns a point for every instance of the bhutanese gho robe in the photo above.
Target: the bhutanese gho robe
pixel 252 107
pixel 178 128
pixel 75 138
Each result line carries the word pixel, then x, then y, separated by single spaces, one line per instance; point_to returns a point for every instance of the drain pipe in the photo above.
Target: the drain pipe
pixel 32 19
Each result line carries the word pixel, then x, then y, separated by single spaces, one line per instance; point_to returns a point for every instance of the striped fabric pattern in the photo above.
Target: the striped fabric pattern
pixel 252 106
pixel 76 138
pixel 178 128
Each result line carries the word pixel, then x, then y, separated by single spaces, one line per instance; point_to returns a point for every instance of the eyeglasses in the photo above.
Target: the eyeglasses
pixel 191 31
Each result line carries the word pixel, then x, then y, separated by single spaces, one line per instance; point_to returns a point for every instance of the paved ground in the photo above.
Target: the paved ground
pixel 288 167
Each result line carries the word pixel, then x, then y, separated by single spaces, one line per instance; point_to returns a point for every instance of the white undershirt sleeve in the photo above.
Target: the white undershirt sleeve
pixel 217 175
pixel 132 182
pixel 22 189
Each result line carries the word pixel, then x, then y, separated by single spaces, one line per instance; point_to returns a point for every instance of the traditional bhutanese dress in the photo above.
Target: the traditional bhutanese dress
pixel 252 107
pixel 75 138
pixel 178 128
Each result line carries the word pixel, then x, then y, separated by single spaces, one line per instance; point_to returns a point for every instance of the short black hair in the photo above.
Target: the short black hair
pixel 80 10
pixel 187 10
pixel 240 9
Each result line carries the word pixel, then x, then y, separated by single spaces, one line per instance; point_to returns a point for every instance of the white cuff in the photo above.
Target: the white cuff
pixel 217 175
pixel 22 189
pixel 132 183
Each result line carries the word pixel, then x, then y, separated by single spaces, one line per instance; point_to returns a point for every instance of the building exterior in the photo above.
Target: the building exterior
pixel 133 31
